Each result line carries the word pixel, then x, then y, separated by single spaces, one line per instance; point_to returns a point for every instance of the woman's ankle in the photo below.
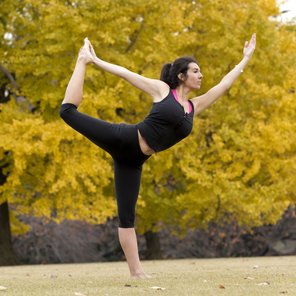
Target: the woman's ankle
pixel 136 272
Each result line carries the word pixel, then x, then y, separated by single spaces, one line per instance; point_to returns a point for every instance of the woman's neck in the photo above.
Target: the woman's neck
pixel 182 93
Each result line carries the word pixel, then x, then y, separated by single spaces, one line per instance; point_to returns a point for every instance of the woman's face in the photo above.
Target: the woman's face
pixel 194 77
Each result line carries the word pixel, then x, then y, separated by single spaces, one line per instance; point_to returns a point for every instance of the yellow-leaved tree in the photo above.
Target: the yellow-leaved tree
pixel 240 158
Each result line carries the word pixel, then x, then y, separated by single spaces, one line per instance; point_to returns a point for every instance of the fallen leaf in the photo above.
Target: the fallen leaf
pixel 127 285
pixel 221 286
pixel 255 266
pixel 248 278
pixel 79 294
pixel 157 288
pixel 264 284
pixel 2 288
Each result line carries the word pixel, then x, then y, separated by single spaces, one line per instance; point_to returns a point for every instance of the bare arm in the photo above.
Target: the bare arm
pixel 204 101
pixel 154 87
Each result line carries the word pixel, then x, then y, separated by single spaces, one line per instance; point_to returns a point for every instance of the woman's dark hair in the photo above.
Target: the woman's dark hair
pixel 170 71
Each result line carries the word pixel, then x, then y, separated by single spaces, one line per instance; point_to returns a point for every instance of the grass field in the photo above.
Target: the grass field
pixel 231 276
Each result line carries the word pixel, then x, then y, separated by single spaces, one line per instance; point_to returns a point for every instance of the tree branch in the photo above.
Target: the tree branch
pixel 134 37
pixel 9 76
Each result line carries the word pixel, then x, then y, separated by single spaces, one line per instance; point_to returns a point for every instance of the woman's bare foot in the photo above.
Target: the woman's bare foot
pixel 85 53
pixel 141 275
pixel 90 48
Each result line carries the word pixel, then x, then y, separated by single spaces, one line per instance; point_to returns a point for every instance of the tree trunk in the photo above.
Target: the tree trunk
pixel 7 256
pixel 153 245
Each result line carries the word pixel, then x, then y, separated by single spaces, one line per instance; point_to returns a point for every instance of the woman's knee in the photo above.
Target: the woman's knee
pixel 126 221
pixel 66 109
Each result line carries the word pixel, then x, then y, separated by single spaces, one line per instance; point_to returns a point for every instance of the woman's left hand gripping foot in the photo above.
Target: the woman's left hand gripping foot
pixel 86 52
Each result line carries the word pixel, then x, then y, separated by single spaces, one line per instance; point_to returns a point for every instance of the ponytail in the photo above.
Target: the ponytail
pixel 165 73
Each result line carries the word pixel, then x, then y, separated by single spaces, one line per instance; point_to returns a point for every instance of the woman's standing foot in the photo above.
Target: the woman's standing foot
pixel 141 275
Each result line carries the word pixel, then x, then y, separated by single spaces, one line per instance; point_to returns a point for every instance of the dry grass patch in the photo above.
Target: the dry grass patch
pixel 227 276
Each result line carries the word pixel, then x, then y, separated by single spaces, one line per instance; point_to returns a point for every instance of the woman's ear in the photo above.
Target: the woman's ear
pixel 181 76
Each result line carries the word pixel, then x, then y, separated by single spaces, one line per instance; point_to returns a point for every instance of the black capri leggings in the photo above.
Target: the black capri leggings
pixel 121 142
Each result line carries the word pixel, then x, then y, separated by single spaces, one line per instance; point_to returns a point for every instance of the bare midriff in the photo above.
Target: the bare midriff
pixel 144 146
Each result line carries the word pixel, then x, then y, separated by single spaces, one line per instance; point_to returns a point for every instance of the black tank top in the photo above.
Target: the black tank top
pixel 166 124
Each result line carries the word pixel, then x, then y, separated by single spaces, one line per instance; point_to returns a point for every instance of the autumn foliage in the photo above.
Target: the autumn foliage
pixel 240 158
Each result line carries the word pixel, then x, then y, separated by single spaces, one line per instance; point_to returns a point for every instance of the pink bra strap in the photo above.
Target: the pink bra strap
pixel 177 99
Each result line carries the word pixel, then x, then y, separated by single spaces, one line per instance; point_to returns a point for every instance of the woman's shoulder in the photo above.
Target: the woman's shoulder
pixel 164 92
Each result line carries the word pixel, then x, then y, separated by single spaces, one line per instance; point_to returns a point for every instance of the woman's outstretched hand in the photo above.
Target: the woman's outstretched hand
pixel 90 48
pixel 87 53
pixel 250 47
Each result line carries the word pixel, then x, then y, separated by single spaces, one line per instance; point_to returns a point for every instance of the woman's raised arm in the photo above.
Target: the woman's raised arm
pixel 207 99
pixel 154 87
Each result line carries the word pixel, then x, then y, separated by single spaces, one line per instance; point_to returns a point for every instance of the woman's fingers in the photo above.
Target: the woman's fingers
pixel 89 46
pixel 89 43
pixel 86 43
pixel 252 41
pixel 92 50
pixel 86 40
pixel 250 46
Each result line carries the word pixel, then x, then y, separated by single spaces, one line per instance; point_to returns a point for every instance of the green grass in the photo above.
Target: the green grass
pixel 231 276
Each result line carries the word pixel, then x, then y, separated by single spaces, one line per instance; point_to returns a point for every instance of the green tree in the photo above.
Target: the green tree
pixel 240 158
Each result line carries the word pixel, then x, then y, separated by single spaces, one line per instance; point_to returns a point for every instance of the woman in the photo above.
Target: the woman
pixel 169 121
